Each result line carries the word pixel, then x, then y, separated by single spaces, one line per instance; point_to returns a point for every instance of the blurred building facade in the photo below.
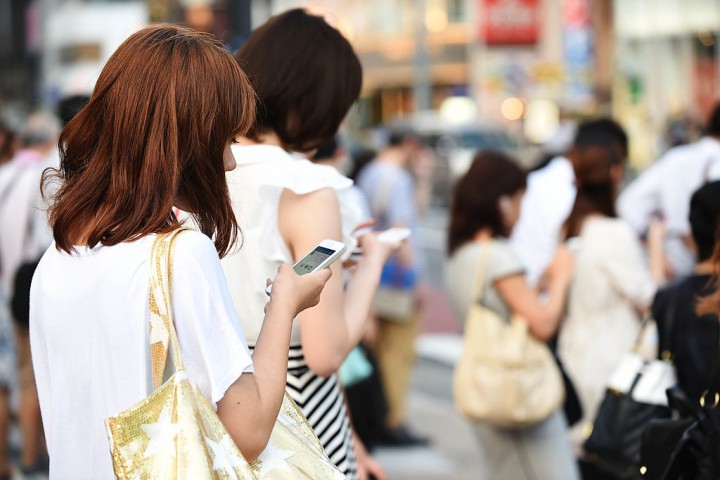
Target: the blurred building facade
pixel 522 64
pixel 666 59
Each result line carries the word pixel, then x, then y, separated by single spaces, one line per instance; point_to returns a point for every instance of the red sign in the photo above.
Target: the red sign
pixel 576 13
pixel 510 22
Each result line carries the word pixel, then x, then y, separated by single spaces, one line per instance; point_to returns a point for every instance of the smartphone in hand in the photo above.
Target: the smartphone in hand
pixel 394 235
pixel 322 256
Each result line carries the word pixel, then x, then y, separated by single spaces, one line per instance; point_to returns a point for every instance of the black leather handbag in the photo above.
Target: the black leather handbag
pixel 687 446
pixel 613 447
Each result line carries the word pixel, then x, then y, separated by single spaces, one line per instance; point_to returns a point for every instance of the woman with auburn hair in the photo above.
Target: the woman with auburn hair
pixel 155 134
pixel 612 283
pixel 485 208
pixel 306 77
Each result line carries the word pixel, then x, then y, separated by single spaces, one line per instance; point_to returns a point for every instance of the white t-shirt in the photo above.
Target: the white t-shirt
pixel 611 282
pixel 666 188
pixel 256 184
pixel 90 343
pixel 546 205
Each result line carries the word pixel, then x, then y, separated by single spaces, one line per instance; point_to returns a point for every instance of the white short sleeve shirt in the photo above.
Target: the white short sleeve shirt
pixel 90 343
pixel 547 203
pixel 666 188
pixel 263 172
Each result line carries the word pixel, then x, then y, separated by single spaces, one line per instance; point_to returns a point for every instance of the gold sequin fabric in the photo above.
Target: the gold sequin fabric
pixel 174 433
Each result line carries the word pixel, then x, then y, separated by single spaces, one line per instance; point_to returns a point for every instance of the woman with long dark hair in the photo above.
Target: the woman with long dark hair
pixel 485 208
pixel 155 135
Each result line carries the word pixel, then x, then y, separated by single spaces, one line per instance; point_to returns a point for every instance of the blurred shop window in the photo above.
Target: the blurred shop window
pixel 84 52
pixel 392 16
pixel 456 11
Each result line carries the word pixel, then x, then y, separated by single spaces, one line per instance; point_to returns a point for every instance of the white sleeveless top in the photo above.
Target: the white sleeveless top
pixel 256 184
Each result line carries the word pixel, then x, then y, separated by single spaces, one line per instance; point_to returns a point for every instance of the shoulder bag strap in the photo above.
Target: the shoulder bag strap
pixel 664 349
pixel 162 329
pixel 9 188
pixel 11 184
pixel 480 273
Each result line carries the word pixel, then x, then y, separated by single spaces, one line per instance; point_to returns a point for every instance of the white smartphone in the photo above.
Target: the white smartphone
pixel 394 235
pixel 322 256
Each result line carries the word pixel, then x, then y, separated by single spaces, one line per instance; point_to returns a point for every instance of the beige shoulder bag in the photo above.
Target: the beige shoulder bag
pixel 505 377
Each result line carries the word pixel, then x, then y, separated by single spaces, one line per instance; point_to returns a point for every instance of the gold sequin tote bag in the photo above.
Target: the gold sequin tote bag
pixel 174 433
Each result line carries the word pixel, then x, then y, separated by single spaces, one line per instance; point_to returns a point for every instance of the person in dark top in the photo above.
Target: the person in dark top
pixel 693 340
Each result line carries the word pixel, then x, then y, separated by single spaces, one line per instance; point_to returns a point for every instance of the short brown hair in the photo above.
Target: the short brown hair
pixel 476 196
pixel 306 76
pixel 152 136
pixel 592 164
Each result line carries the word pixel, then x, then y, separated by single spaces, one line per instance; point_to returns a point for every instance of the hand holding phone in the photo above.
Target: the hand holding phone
pixel 322 256
pixel 294 293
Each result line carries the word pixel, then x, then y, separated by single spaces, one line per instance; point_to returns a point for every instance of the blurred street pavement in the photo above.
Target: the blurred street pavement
pixel 453 452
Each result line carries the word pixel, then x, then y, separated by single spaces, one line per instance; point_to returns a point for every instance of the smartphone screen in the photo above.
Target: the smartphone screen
pixel 310 261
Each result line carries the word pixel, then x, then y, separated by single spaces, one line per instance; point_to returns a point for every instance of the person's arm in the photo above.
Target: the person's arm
pixel 401 212
pixel 335 326
pixel 248 391
pixel 543 318
pixel 660 268
pixel 366 464
pixel 641 199
pixel 250 406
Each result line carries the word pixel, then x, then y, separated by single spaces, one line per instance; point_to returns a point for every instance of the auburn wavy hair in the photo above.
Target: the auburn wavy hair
pixel 151 137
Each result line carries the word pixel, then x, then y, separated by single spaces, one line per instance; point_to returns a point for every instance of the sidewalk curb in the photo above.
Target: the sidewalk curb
pixel 443 348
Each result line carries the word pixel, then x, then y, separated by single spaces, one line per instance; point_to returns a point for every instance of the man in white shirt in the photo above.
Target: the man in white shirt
pixel 664 191
pixel 549 198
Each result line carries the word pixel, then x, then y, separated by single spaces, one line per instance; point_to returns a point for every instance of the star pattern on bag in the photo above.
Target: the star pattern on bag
pixel 222 454
pixel 273 458
pixel 162 435
pixel 158 332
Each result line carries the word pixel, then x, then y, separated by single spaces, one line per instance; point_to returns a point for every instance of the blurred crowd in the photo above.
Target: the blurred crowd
pixel 596 264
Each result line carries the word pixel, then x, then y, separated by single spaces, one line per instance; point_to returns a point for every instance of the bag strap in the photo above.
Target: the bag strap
pixel 11 184
pixel 480 273
pixel 664 349
pixel 162 329
pixel 10 187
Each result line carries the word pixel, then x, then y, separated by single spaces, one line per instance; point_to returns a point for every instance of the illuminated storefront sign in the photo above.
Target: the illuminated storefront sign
pixel 510 22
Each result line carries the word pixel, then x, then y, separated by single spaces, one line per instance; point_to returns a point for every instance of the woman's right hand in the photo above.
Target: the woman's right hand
pixel 561 268
pixel 297 292
pixel 375 249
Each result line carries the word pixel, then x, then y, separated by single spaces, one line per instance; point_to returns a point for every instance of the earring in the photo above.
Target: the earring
pixel 505 205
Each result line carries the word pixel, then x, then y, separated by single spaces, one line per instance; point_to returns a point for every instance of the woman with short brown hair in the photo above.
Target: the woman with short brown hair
pixel 155 134
pixel 306 76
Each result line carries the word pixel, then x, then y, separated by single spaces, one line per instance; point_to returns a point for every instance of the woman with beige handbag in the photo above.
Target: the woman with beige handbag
pixel 506 380
pixel 155 134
